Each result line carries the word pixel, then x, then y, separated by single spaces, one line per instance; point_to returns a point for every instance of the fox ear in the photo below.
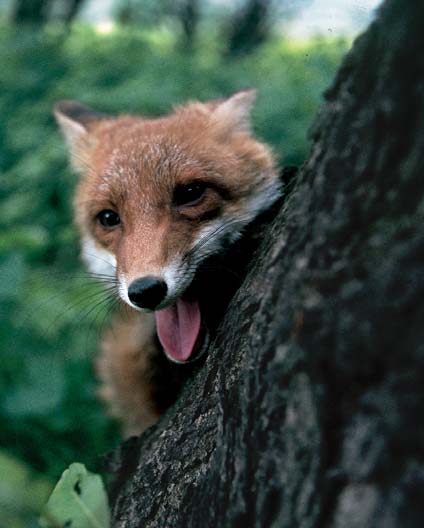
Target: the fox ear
pixel 232 115
pixel 74 120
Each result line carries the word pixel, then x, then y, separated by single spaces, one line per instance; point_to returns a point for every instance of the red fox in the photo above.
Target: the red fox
pixel 156 200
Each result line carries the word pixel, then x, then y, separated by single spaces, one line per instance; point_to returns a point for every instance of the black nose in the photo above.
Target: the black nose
pixel 147 292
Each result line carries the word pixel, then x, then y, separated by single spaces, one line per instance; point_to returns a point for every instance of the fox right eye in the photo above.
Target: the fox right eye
pixel 190 194
pixel 108 218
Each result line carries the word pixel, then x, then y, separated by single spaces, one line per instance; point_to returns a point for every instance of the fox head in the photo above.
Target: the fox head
pixel 158 196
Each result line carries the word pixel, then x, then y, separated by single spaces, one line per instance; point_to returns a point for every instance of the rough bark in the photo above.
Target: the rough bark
pixel 309 410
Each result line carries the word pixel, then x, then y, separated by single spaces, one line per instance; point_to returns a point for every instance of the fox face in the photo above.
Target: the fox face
pixel 157 197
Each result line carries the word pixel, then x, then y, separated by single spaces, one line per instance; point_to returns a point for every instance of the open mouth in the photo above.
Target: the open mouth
pixel 181 331
pixel 186 327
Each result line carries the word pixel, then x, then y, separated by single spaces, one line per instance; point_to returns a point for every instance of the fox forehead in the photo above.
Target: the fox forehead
pixel 151 160
pixel 140 179
pixel 131 143
pixel 144 161
pixel 121 156
pixel 133 165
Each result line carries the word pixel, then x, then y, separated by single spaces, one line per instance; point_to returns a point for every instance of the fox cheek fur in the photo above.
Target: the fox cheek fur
pixel 156 198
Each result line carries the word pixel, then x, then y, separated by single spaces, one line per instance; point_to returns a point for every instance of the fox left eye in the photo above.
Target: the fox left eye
pixel 189 194
pixel 109 218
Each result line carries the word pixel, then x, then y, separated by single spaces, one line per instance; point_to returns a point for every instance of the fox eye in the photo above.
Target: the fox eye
pixel 108 218
pixel 189 194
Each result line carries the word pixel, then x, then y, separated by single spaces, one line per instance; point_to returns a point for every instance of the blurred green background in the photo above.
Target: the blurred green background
pixel 148 57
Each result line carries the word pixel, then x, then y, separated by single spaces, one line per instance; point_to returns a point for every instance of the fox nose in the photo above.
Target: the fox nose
pixel 147 292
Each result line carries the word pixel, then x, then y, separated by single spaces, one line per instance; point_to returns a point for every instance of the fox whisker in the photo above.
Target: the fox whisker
pixel 164 180
pixel 222 227
pixel 75 304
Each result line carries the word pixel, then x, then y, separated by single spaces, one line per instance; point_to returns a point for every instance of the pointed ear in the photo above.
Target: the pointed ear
pixel 74 120
pixel 232 115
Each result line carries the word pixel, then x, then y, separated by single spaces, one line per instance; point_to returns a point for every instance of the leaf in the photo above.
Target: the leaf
pixel 22 492
pixel 79 500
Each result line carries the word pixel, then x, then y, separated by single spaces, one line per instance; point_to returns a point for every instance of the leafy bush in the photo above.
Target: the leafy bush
pixel 50 311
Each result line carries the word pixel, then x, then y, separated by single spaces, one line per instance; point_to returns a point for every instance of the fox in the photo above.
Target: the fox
pixel 157 200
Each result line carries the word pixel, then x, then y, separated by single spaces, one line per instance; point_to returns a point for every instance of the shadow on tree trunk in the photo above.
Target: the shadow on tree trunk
pixel 309 408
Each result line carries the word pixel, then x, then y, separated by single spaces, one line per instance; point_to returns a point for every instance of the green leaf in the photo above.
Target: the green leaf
pixel 79 500
pixel 22 492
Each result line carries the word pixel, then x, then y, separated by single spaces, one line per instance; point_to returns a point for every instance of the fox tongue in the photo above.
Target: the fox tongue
pixel 178 328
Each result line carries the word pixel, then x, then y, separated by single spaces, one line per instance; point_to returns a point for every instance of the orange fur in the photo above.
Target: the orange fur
pixel 123 367
pixel 132 165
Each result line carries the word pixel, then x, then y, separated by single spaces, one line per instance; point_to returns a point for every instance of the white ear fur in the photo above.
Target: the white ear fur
pixel 73 131
pixel 233 114
pixel 74 119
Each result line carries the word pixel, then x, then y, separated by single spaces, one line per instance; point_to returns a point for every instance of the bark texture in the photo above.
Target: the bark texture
pixel 309 409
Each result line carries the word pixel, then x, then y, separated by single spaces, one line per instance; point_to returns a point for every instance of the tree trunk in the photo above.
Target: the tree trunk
pixel 34 12
pixel 249 27
pixel 309 409
pixel 72 9
pixel 188 14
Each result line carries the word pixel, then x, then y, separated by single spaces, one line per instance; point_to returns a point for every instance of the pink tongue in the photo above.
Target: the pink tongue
pixel 178 328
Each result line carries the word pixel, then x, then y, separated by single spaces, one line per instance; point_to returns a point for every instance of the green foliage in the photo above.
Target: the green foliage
pixel 79 500
pixel 22 493
pixel 51 313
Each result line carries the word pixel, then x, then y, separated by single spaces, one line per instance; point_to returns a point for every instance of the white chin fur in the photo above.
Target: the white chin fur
pixel 98 260
pixel 102 262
